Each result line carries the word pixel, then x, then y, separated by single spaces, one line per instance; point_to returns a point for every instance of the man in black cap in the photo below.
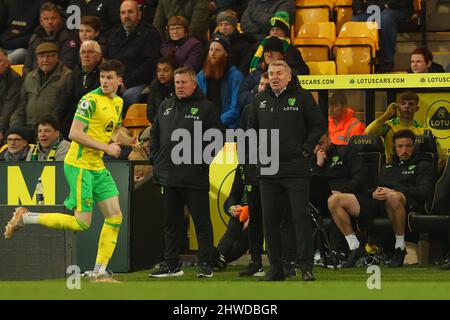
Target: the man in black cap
pixel 17 145
pixel 220 81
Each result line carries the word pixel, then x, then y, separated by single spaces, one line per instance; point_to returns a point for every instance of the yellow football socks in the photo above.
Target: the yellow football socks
pixel 108 239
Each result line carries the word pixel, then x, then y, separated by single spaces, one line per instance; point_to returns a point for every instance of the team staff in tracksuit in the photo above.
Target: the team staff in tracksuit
pixel 183 184
pixel 403 185
pixel 294 113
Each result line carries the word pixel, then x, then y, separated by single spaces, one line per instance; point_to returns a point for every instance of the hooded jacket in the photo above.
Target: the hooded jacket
pixel 341 132
pixel 344 170
pixel 414 178
pixel 299 121
pixel 229 89
pixel 174 114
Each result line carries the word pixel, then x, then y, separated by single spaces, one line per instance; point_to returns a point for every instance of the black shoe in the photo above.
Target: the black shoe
pixel 254 269
pixel 204 270
pixel 165 271
pixel 354 256
pixel 307 275
pixel 219 260
pixel 446 266
pixel 397 258
pixel 289 270
pixel 274 274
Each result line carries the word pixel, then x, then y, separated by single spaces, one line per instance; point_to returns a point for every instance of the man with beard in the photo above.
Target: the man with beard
pixel 220 82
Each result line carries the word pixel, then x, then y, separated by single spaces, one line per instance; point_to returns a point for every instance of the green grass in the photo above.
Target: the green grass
pixel 404 283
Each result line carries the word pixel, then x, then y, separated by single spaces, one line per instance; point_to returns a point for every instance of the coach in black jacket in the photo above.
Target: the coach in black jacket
pixel 293 112
pixel 185 183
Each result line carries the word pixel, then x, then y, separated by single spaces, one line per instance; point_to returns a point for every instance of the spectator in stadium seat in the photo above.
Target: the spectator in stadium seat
pixel 41 88
pixel 218 6
pixel 406 107
pixel 184 183
pixel 188 51
pixel 17 146
pixel 273 50
pixel 255 17
pixel 10 84
pixel 50 144
pixel 136 45
pixel 19 19
pixel 403 186
pixel 220 81
pixel 240 43
pixel 341 121
pixel 280 28
pixel 85 77
pixel 103 9
pixel 52 29
pixel 392 12
pixel 162 87
pixel 422 62
pixel 195 12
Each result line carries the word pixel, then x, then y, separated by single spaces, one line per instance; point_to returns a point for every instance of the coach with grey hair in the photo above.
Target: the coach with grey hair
pixel 85 78
pixel 291 110
pixel 183 182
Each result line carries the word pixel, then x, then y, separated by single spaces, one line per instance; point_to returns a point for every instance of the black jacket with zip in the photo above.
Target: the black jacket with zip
pixel 299 121
pixel 174 114
pixel 414 178
pixel 344 170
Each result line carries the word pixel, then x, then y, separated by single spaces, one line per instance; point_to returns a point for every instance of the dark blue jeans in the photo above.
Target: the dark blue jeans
pixel 389 20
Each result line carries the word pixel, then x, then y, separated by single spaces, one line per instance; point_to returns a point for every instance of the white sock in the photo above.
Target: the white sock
pixel 99 268
pixel 352 241
pixel 400 242
pixel 30 218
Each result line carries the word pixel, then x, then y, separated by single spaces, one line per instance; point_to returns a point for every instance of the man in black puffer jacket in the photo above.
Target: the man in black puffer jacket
pixel 403 186
pixel 186 183
pixel 292 112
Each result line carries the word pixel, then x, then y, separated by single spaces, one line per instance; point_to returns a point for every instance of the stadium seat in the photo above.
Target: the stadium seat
pixel 321 67
pixel 342 12
pixel 315 40
pixel 18 68
pixel 312 11
pixel 136 118
pixel 356 47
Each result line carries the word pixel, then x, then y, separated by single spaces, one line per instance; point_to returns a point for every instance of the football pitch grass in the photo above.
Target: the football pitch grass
pixel 409 282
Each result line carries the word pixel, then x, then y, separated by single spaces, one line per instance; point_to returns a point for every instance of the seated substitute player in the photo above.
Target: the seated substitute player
pixel 403 186
pixel 97 118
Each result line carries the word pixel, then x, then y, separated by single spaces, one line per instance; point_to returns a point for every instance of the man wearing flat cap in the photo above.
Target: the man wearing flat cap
pixel 41 88
pixel 16 147
pixel 220 81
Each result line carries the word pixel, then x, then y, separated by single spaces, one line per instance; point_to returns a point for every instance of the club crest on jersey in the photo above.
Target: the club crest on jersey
pixel 291 101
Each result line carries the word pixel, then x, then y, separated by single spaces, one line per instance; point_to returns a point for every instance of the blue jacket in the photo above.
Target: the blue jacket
pixel 231 111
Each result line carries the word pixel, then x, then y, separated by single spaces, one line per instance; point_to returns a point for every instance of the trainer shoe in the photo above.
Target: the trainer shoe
pixel 219 260
pixel 15 223
pixel 106 276
pixel 253 269
pixel 276 273
pixel 446 266
pixel 397 258
pixel 204 270
pixel 307 275
pixel 354 256
pixel 289 270
pixel 165 271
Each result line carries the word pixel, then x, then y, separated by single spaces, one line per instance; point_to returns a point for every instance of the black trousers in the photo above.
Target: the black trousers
pixel 234 242
pixel 274 195
pixel 173 200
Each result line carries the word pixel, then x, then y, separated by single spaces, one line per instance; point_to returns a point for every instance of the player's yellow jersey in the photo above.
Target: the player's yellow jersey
pixel 102 115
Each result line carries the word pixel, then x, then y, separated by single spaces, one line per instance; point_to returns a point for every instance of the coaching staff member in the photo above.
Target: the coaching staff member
pixel 185 183
pixel 292 110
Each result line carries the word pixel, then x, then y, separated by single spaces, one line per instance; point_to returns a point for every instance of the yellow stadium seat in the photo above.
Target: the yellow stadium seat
pixel 342 12
pixel 312 11
pixel 18 68
pixel 321 67
pixel 315 40
pixel 136 118
pixel 355 48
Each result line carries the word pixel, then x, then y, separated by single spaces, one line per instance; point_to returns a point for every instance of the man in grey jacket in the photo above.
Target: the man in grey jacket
pixel 10 83
pixel 255 20
pixel 41 88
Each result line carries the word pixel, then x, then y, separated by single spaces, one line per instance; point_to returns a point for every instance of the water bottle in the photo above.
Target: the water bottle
pixel 40 192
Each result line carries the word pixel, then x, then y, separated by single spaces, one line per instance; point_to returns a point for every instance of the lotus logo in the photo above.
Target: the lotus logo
pixel 352 81
pixel 110 126
pixel 440 119
pixel 423 80
pixel 335 158
pixel 194 111
pixel 291 101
